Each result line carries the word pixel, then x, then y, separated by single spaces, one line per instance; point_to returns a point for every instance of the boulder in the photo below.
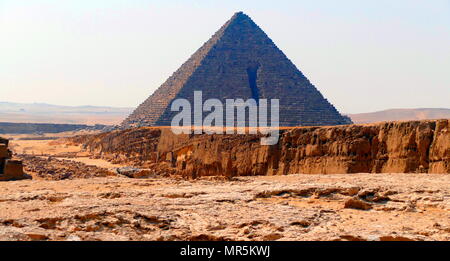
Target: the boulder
pixel 13 170
pixel 132 172
pixel 9 169
pixel 127 171
pixel 356 203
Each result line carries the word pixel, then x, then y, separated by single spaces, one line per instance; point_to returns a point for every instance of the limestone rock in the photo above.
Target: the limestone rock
pixel 357 204
pixel 391 147
pixel 10 169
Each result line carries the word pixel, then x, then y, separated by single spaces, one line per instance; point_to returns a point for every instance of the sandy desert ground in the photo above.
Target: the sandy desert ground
pixel 296 207
pixel 99 204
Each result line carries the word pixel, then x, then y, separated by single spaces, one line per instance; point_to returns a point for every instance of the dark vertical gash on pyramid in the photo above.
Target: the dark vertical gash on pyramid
pixel 240 61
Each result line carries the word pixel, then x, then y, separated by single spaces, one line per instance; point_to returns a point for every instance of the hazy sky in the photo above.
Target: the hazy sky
pixel 362 55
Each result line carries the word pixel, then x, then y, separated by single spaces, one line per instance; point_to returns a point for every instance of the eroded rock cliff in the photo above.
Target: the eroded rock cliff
pixel 391 147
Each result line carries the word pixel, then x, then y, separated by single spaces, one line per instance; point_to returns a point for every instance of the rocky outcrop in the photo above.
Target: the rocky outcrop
pixel 134 146
pixel 10 169
pixel 392 147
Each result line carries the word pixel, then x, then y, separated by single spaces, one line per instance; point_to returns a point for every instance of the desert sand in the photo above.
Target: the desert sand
pixel 75 197
pixel 295 207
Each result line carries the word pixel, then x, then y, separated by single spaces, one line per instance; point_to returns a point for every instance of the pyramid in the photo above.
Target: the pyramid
pixel 239 61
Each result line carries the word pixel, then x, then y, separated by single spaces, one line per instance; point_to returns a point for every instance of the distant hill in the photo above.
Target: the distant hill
pixel 40 128
pixel 47 113
pixel 400 115
pixel 91 115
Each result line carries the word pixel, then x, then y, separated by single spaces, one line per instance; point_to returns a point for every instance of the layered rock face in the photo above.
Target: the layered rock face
pixel 133 146
pixel 10 169
pixel 392 147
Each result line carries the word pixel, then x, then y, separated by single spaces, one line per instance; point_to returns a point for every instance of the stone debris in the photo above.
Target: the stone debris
pixel 51 168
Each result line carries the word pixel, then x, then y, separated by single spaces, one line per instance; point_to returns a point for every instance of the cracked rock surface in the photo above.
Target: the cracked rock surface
pixel 295 207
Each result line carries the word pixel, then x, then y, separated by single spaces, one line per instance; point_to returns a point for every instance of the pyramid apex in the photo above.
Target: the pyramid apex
pixel 239 14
